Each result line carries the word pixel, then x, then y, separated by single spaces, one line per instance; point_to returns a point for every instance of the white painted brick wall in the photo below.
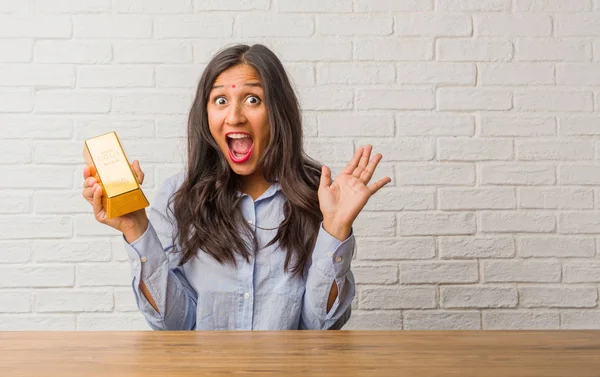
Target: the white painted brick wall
pixel 486 112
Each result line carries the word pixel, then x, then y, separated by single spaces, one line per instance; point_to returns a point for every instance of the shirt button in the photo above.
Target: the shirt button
pixel 246 296
pixel 338 259
pixel 144 259
pixel 329 255
pixel 250 222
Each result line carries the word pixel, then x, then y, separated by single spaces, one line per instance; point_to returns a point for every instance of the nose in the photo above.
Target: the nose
pixel 235 115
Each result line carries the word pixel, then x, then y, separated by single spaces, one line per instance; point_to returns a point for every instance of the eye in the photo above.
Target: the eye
pixel 253 100
pixel 220 101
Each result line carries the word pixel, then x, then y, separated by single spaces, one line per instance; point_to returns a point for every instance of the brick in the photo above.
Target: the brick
pixel 393 6
pixel 16 101
pixel 580 320
pixel 15 202
pixel 436 174
pixel 153 52
pixel 153 6
pixel 78 52
pixel 375 224
pixel 125 300
pixel 378 274
pixel 66 202
pixel 397 298
pixel 36 128
pixel 112 322
pixel 112 26
pixel 177 76
pixel 394 50
pixel 103 274
pixel 476 247
pixel 578 74
pixel 556 198
pixel 310 6
pixel 35 26
pixel 37 75
pixel 516 74
pixel 301 74
pixel 351 73
pixel 473 99
pixel 370 320
pixel 404 149
pixel 520 320
pixel 517 222
pixel 436 73
pixel 355 124
pixel 270 25
pixel 474 5
pixel 58 153
pixel 505 25
pixel 16 252
pixel 441 320
pixel 478 297
pixel 553 6
pixel 579 223
pixel 72 102
pixel 353 25
pixel 67 6
pixel 72 251
pixel 391 199
pixel 71 300
pixel 395 249
pixel 152 103
pixel 86 225
pixel 15 302
pixel 19 227
pixel 194 26
pixel 40 177
pixel 551 49
pixel 433 25
pixel 20 51
pixel 37 276
pixel 436 223
pixel 558 297
pixel 413 99
pixel 430 272
pixel 8 6
pixel 521 271
pixel 579 125
pixel 329 150
pixel 521 125
pixel 466 149
pixel 582 272
pixel 560 247
pixel 38 322
pixel 584 24
pixel 321 49
pixel 15 152
pixel 474 50
pixel 171 127
pixel 326 98
pixel 115 77
pixel 570 174
pixel 517 174
pixel 564 150
pixel 435 125
pixel 479 198
pixel 124 127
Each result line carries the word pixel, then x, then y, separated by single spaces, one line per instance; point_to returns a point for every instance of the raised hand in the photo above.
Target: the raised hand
pixel 342 200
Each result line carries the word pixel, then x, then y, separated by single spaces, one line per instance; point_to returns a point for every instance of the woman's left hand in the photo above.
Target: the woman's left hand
pixel 342 201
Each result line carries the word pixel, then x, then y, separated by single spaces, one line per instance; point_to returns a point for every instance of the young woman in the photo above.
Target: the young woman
pixel 253 235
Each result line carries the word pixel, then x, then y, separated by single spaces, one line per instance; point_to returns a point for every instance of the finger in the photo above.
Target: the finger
pixel 354 162
pixel 93 171
pixel 139 174
pixel 97 199
pixel 364 160
pixel 325 177
pixel 86 172
pixel 374 187
pixel 89 182
pixel 88 194
pixel 367 174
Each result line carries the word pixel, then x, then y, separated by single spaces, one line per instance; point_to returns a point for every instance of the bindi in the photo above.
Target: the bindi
pixel 233 86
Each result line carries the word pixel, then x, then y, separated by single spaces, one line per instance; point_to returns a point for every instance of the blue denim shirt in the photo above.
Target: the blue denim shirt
pixel 203 294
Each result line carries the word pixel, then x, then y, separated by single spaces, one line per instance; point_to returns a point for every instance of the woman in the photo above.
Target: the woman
pixel 254 235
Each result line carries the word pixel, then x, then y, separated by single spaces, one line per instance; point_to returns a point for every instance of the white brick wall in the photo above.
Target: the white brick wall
pixel 486 112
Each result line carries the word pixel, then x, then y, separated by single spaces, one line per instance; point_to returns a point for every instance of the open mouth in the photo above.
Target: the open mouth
pixel 240 146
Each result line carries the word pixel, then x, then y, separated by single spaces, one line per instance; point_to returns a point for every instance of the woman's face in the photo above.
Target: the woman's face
pixel 238 119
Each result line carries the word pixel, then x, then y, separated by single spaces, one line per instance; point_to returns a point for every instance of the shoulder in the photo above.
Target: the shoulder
pixel 172 184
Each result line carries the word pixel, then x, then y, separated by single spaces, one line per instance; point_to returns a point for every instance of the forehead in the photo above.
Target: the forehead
pixel 239 74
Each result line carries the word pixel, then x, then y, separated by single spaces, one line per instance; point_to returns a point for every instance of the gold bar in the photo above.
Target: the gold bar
pixel 121 193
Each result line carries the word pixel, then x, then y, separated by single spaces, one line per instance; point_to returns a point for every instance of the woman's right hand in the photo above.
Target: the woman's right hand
pixel 132 225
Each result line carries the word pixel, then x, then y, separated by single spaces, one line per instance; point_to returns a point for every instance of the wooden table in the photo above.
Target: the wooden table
pixel 298 353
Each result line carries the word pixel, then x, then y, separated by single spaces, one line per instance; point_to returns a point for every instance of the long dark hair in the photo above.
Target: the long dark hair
pixel 205 207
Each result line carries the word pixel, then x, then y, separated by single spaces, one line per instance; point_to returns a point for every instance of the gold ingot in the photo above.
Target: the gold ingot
pixel 121 193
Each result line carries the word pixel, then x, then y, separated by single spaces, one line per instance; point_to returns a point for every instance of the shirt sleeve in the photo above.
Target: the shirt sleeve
pixel 330 262
pixel 154 262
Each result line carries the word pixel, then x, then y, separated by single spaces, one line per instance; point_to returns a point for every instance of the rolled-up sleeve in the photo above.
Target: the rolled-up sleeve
pixel 330 262
pixel 153 261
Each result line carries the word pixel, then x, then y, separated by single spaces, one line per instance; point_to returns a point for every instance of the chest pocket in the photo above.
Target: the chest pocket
pixel 215 311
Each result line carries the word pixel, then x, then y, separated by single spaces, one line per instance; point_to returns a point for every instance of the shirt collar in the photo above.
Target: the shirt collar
pixel 271 191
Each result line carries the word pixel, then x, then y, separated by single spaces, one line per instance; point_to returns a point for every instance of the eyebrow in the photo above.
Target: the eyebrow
pixel 252 84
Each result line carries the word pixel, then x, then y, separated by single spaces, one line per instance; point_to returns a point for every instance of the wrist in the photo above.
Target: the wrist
pixel 337 229
pixel 137 228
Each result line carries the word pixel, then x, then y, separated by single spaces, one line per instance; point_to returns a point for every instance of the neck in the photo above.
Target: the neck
pixel 254 185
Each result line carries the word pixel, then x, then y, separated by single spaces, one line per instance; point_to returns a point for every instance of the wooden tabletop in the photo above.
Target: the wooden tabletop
pixel 301 353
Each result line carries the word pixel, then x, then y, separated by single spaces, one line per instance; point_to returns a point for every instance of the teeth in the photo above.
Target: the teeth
pixel 238 136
